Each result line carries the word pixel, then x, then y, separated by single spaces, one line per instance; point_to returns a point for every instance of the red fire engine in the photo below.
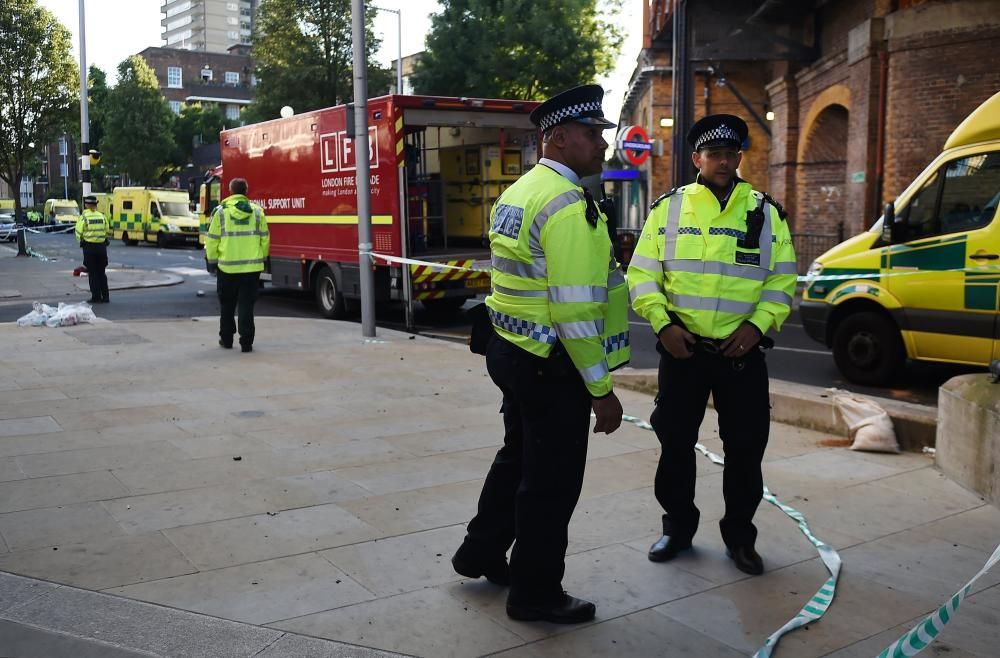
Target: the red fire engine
pixel 437 166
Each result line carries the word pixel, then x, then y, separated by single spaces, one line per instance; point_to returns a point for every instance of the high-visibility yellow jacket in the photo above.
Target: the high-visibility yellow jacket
pixel 237 240
pixel 693 260
pixel 91 226
pixel 554 277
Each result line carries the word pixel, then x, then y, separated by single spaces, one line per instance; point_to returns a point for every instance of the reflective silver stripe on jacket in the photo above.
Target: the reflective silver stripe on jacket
pixel 777 296
pixel 561 201
pixel 213 236
pixel 673 221
pixel 696 303
pixel 520 293
pixel 692 266
pixel 562 294
pixel 581 329
pixel 594 373
pixel 535 270
pixel 766 239
pixel 785 267
pixel 644 288
pixel 222 220
pixel 646 263
pixel 252 261
pixel 235 234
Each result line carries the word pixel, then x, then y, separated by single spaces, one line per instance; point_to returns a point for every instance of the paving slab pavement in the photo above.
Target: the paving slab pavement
pixel 319 485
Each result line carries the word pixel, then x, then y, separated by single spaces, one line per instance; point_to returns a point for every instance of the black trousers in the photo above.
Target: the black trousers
pixel 95 259
pixel 739 388
pixel 237 294
pixel 534 483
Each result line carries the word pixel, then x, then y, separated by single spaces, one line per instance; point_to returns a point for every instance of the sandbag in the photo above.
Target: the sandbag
pixel 868 424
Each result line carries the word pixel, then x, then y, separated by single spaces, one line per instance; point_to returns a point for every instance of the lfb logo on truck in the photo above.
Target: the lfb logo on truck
pixel 337 152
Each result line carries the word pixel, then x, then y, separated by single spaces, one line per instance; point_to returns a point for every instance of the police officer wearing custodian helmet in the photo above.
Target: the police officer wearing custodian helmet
pixel 714 270
pixel 558 311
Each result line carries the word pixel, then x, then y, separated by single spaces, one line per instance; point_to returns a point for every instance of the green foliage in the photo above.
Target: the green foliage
pixel 524 49
pixel 97 108
pixel 302 51
pixel 197 124
pixel 138 139
pixel 39 84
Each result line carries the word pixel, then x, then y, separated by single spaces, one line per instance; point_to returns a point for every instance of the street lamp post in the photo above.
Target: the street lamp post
pixel 84 119
pixel 399 46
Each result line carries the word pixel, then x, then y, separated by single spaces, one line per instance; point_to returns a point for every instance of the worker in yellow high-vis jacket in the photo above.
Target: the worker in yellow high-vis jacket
pixel 92 234
pixel 236 245
pixel 558 309
pixel 713 272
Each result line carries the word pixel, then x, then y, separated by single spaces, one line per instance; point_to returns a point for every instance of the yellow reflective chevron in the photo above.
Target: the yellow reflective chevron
pixel 692 261
pixel 552 280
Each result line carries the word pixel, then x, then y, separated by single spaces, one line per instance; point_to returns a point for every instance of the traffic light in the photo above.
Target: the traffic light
pixel 95 157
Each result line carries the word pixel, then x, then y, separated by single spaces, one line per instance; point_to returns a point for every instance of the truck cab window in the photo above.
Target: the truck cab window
pixel 920 216
pixel 154 209
pixel 971 191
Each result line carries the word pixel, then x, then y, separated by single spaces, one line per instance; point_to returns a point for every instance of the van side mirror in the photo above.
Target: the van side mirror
pixel 889 230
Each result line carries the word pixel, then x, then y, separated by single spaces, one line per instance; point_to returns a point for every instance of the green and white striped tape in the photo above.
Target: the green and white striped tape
pixel 920 636
pixel 910 644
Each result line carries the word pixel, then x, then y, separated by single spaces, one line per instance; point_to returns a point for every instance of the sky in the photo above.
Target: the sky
pixel 108 43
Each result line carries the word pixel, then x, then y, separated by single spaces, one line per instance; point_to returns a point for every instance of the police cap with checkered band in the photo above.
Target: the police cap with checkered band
pixel 580 104
pixel 718 131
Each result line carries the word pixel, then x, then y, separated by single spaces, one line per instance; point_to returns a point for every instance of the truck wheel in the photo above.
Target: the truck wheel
pixel 161 240
pixel 868 349
pixel 128 241
pixel 328 298
pixel 445 305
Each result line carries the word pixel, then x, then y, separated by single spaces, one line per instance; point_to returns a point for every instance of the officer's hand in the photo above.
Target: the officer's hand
pixel 677 341
pixel 744 339
pixel 609 413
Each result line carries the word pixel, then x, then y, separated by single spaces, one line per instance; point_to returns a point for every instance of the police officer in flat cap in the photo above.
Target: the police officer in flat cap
pixel 713 272
pixel 92 234
pixel 558 326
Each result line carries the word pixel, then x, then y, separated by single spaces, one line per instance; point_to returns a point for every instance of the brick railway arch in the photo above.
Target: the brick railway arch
pixel 821 177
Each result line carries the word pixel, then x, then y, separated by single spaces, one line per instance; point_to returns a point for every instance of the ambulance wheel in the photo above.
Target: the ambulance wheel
pixel 444 306
pixel 128 241
pixel 868 349
pixel 161 240
pixel 328 298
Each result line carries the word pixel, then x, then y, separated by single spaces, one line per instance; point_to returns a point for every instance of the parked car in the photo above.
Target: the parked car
pixel 8 232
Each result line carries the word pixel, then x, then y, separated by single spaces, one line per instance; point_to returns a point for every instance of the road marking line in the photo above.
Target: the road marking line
pixel 799 349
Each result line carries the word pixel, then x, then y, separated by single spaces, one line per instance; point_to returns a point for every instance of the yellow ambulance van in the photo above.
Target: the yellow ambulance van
pixel 60 211
pixel 922 283
pixel 146 214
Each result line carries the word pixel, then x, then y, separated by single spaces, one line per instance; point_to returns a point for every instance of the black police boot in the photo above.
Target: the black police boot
pixel 223 344
pixel 667 547
pixel 746 559
pixel 496 570
pixel 565 610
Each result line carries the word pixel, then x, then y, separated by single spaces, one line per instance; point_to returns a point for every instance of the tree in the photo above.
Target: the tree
pixel 303 56
pixel 137 123
pixel 97 108
pixel 535 48
pixel 38 86
pixel 197 124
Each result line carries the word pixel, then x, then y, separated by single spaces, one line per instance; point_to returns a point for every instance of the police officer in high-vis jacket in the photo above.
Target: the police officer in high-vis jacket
pixel 236 245
pixel 713 272
pixel 559 316
pixel 92 234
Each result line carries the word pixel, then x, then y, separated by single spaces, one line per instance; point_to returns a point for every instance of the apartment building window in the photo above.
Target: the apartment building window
pixel 180 36
pixel 245 12
pixel 233 112
pixel 173 11
pixel 233 35
pixel 232 78
pixel 206 74
pixel 174 77
pixel 232 20
pixel 231 6
pixel 175 107
pixel 180 22
pixel 245 25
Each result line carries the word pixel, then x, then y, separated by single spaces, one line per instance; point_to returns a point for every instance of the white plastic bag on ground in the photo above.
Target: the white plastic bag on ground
pixel 868 424
pixel 68 315
pixel 39 314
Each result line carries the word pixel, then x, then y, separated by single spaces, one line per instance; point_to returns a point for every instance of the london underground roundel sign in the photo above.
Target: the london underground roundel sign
pixel 633 145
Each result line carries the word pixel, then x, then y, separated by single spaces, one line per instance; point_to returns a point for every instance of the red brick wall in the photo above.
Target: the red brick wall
pixel 934 82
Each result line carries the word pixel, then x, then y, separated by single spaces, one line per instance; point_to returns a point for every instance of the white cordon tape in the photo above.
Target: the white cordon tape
pixel 439 267
pixel 822 599
pixel 920 636
pixel 861 276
